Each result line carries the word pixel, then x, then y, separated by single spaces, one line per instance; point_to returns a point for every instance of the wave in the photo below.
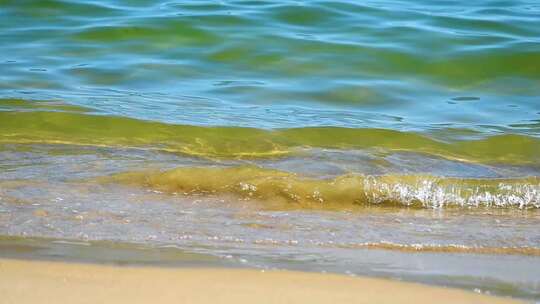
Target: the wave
pixel 239 142
pixel 281 189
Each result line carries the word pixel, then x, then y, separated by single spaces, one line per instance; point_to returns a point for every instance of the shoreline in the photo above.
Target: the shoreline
pixel 28 281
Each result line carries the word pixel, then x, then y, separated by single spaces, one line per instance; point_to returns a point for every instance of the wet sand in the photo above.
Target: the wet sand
pixel 37 281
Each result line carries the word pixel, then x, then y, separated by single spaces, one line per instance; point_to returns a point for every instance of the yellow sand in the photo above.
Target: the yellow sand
pixel 55 282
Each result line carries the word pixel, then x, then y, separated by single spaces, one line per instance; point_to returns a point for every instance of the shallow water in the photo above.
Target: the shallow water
pixel 78 203
pixel 382 138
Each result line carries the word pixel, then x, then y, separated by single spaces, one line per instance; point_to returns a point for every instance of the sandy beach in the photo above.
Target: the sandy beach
pixel 24 281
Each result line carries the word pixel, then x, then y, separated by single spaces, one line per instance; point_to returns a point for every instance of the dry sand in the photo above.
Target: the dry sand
pixel 56 282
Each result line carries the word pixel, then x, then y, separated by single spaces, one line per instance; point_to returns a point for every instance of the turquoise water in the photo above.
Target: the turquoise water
pixel 447 68
pixel 380 138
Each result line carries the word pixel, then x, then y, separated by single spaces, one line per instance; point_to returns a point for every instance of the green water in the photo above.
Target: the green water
pixel 238 142
pixel 388 138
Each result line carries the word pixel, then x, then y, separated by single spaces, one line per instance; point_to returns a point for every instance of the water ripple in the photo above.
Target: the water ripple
pixel 387 58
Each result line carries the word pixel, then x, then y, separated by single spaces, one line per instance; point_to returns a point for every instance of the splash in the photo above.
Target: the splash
pixel 288 190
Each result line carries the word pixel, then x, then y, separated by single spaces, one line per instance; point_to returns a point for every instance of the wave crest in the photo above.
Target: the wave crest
pixel 288 190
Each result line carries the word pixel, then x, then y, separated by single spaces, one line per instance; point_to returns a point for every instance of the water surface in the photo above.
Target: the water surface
pixel 383 138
